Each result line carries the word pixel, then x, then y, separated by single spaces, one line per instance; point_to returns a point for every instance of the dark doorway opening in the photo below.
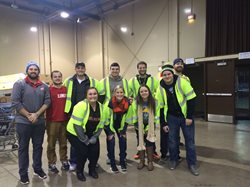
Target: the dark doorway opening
pixel 195 72
pixel 242 89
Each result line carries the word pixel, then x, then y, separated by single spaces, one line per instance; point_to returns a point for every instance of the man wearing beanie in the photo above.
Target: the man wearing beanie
pixel 30 98
pixel 179 68
pixel 176 97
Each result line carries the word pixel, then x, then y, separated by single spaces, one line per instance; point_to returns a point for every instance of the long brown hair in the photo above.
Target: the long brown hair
pixel 151 100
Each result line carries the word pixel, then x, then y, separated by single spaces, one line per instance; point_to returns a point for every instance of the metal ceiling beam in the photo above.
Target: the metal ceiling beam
pixel 8 5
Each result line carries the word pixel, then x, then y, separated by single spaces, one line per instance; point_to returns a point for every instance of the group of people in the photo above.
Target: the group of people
pixel 79 108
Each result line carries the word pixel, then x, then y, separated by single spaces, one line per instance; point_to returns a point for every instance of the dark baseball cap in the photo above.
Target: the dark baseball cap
pixel 79 64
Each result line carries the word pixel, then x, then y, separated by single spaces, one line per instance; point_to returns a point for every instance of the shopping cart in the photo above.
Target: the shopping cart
pixel 8 140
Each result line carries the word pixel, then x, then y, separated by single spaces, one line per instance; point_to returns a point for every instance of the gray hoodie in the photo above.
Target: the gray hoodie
pixel 30 98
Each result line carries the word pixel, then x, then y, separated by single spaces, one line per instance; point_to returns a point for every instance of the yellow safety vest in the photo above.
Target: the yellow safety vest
pixel 126 118
pixel 68 83
pixel 134 85
pixel 184 92
pixel 80 116
pixel 105 89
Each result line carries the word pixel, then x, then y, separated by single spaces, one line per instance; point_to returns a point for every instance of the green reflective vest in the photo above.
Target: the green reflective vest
pixel 126 118
pixel 80 117
pixel 134 85
pixel 105 89
pixel 184 92
pixel 68 83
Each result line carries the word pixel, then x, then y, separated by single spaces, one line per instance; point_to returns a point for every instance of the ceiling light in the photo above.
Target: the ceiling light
pixel 64 14
pixel 33 29
pixel 187 10
pixel 124 29
pixel 191 18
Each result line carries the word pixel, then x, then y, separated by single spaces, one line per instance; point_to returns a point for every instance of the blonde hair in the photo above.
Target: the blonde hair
pixel 118 87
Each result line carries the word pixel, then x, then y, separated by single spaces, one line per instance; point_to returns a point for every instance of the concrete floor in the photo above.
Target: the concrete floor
pixel 223 152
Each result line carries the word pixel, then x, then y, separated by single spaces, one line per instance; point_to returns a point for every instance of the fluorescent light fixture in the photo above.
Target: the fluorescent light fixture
pixel 191 18
pixel 64 14
pixel 33 29
pixel 187 10
pixel 124 29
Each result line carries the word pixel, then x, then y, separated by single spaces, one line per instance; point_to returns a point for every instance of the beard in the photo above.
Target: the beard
pixel 179 69
pixel 57 84
pixel 33 76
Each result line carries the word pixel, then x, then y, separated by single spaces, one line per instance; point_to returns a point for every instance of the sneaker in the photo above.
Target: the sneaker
pixel 80 176
pixel 172 165
pixel 193 170
pixel 137 156
pixel 24 179
pixel 114 169
pixel 40 174
pixel 156 156
pixel 53 169
pixel 72 167
pixel 93 174
pixel 65 166
pixel 123 167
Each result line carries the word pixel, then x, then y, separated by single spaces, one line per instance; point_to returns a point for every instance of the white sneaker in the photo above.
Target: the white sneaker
pixel 72 167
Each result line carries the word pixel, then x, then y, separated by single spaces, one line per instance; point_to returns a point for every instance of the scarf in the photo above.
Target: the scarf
pixel 34 85
pixel 151 131
pixel 119 107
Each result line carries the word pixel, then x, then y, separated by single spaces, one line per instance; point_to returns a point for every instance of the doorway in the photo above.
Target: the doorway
pixel 242 90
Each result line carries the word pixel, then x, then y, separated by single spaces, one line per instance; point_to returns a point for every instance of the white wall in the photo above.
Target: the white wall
pixel 18 44
pixel 192 36
pixel 154 40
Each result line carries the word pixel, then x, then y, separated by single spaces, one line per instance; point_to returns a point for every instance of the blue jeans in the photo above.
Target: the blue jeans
pixel 175 123
pixel 25 132
pixel 122 147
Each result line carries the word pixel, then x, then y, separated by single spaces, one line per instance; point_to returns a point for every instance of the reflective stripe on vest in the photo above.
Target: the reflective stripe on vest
pixel 152 85
pixel 181 91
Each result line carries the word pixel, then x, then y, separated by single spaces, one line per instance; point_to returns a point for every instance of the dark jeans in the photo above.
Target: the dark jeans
pixel 84 152
pixel 25 132
pixel 73 155
pixel 122 147
pixel 164 142
pixel 175 123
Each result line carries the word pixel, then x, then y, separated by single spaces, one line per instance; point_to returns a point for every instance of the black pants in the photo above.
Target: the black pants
pixel 164 142
pixel 25 132
pixel 84 152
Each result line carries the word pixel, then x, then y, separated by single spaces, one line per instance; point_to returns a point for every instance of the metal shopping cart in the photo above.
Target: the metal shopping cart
pixel 8 140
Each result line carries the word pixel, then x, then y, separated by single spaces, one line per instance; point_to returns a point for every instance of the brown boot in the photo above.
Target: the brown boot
pixel 142 159
pixel 150 152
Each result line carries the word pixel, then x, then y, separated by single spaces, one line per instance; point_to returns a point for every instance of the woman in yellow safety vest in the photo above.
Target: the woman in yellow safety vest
pixel 120 117
pixel 84 127
pixel 146 117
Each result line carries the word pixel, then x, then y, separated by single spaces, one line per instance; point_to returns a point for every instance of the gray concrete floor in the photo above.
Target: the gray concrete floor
pixel 223 152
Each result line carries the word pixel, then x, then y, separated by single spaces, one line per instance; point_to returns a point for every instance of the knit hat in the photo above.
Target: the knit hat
pixel 167 67
pixel 32 63
pixel 79 64
pixel 177 60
